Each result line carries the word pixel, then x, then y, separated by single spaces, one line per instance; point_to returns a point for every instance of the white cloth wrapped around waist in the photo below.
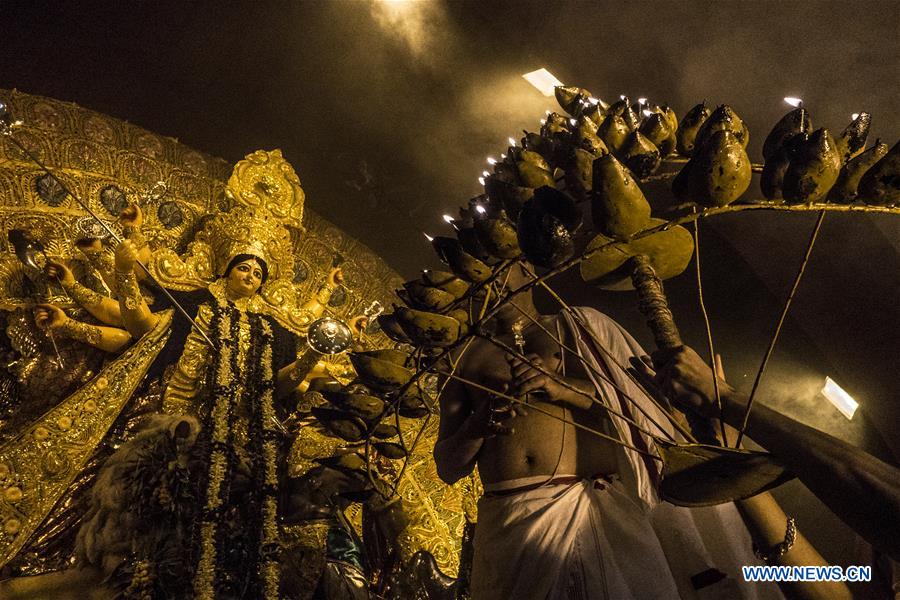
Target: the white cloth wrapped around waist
pixel 582 540
pixel 578 541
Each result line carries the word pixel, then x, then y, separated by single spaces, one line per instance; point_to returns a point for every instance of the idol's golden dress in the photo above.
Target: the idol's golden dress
pixel 75 418
pixel 195 510
pixel 190 506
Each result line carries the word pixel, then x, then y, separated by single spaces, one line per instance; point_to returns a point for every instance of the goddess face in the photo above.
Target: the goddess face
pixel 244 279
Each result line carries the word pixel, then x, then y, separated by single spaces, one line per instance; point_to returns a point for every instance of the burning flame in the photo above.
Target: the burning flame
pixel 594 101
pixel 485 173
pixel 448 219
pixel 573 122
pixel 512 142
pixel 647 112
pixel 642 101
pixel 543 121
pixel 428 237
pixel 795 102
pixel 491 160
pixel 481 180
pixel 480 208
pixel 854 116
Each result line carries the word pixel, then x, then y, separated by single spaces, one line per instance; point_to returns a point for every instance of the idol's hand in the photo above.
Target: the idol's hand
pixel 358 325
pixel 126 256
pixel 293 424
pixel 59 270
pixel 131 216
pixel 49 317
pixel 335 277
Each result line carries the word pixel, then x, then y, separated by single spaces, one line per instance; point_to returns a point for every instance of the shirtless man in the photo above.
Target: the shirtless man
pixel 555 518
pixel 509 442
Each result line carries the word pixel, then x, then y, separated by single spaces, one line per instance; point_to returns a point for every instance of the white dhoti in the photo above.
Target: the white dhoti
pixel 578 541
pixel 581 541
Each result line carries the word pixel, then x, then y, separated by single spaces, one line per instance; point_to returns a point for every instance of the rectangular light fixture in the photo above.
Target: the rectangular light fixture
pixel 543 80
pixel 839 398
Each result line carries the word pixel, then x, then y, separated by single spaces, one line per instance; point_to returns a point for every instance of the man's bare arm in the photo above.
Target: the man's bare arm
pixel 767 523
pixel 855 485
pixel 861 489
pixel 458 444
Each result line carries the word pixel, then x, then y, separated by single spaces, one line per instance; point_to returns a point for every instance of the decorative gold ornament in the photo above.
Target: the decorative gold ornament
pixel 40 473
pixel 265 183
pixel 109 163
pixel 266 206
pixel 243 232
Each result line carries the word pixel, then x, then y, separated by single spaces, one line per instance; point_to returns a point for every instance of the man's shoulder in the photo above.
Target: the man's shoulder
pixel 470 353
pixel 607 330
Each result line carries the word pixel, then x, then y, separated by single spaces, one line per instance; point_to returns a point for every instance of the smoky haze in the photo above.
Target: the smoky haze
pixel 393 106
pixel 388 111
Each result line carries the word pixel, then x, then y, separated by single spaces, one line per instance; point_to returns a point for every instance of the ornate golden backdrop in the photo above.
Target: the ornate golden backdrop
pixel 109 163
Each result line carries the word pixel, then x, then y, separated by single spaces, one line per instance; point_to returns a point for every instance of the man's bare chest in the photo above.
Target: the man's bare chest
pixel 489 360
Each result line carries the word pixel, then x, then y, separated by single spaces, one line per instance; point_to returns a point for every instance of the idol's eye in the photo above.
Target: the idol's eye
pixel 258 274
pixel 243 268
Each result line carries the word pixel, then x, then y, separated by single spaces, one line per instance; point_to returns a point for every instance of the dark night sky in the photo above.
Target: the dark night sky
pixel 388 114
pixel 395 113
